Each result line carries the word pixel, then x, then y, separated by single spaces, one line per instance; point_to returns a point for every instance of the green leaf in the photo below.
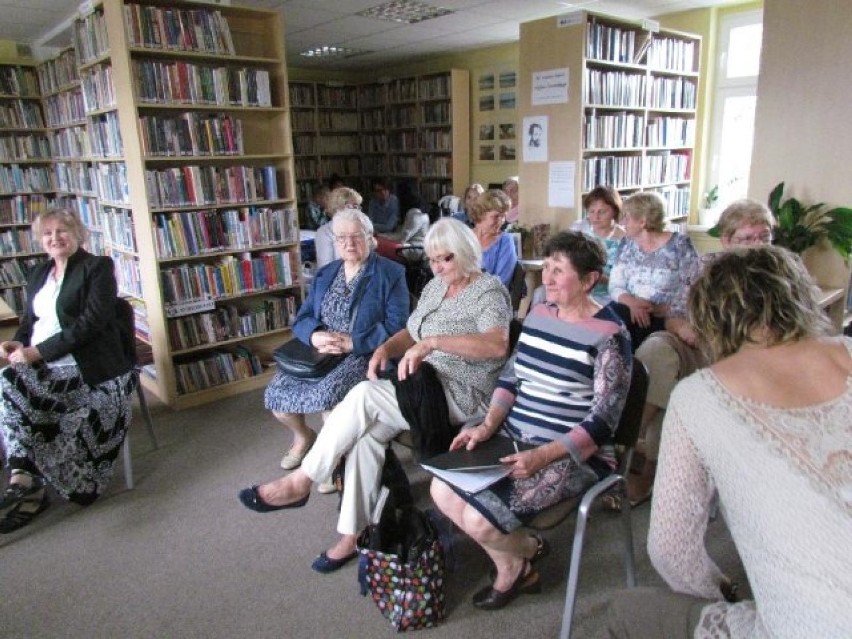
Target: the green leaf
pixel 775 199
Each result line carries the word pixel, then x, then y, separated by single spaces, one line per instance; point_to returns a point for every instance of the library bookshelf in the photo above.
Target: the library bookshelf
pixel 631 120
pixel 413 129
pixel 189 147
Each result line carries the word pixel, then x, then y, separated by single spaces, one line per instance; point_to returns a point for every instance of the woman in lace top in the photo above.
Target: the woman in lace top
pixel 768 426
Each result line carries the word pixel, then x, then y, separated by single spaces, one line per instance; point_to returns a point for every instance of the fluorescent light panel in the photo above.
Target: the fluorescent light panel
pixel 331 51
pixel 404 11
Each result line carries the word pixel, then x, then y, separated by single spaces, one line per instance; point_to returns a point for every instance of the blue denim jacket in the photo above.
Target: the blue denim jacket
pixel 381 303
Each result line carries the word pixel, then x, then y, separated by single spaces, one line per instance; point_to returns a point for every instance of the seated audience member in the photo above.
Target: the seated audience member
pixel 652 270
pixel 470 194
pixel 603 210
pixel 414 226
pixel 768 427
pixel 511 188
pixel 340 198
pixel 361 284
pixel 65 406
pixel 457 336
pixel 563 390
pixel 672 354
pixel 318 206
pixel 498 250
pixel 383 209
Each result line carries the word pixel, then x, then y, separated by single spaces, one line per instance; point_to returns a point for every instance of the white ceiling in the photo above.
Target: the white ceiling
pixel 311 23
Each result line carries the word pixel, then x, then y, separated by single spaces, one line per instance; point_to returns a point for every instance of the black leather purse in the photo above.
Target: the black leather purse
pixel 300 360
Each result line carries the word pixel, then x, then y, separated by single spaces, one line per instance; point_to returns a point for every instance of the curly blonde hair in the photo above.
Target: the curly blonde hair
pixel 68 217
pixel 491 200
pixel 761 295
pixel 343 198
pixel 648 206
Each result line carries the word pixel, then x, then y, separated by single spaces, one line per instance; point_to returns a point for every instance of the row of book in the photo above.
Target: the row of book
pixel 105 135
pixel 90 37
pixel 75 177
pixel 673 93
pixel 374 143
pixel 118 227
pixel 65 108
pixel 672 54
pixel 30 179
pixel 373 119
pixel 338 97
pixel 98 87
pixel 667 167
pixel 16 298
pixel 14 241
pixel 613 130
pixel 302 95
pixel 435 88
pixel 178 29
pixel 339 144
pixel 229 276
pixel 402 90
pixel 619 171
pixel 670 131
pixel 14 272
pixel 22 209
pixel 303 121
pixel 112 183
pixel 199 185
pixel 338 120
pixel 70 142
pixel 20 81
pixel 191 133
pixel 434 191
pixel 189 233
pixel 437 114
pixel 304 144
pixel 615 88
pixel 231 321
pixel 128 273
pixel 611 43
pixel 58 73
pixel 401 116
pixel 24 146
pixel 180 82
pixel 21 114
pixel 677 200
pixel 215 369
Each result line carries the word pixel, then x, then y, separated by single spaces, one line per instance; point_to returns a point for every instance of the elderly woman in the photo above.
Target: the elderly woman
pixel 671 355
pixel 468 200
pixel 340 198
pixel 460 329
pixel 498 250
pixel 512 187
pixel 653 268
pixel 65 408
pixel 603 210
pixel 768 426
pixel 361 286
pixel 563 390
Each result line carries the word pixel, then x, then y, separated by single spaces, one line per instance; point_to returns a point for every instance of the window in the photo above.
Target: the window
pixel 740 38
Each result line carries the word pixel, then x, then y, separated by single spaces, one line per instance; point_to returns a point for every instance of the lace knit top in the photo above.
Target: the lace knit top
pixel 784 478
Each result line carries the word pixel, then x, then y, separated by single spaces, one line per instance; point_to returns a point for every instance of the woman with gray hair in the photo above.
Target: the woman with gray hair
pixel 340 198
pixel 458 334
pixel 355 303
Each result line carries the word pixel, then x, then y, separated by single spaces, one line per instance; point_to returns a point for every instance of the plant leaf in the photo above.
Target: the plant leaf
pixel 775 199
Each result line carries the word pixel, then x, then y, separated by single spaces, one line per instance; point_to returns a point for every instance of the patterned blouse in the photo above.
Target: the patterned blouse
pixel 660 276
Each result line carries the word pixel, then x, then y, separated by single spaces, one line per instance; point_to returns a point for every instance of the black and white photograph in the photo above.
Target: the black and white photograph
pixel 507 131
pixel 486 131
pixel 535 138
pixel 486 153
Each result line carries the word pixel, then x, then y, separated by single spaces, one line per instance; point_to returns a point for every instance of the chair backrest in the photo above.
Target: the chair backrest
pixel 126 328
pixel 631 415
pixel 516 286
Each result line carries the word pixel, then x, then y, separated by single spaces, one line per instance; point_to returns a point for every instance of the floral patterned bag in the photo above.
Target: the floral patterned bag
pixel 402 567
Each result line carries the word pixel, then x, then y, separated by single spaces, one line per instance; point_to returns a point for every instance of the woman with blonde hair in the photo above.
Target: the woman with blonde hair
pixel 769 427
pixel 498 250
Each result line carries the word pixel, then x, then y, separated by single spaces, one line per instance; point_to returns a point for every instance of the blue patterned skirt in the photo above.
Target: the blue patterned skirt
pixel 286 394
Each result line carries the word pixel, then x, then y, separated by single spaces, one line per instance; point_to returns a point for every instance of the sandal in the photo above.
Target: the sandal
pixel 542 550
pixel 22 513
pixel 15 493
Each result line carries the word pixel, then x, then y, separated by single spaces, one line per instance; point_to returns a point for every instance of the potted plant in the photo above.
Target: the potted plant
pixel 709 213
pixel 799 227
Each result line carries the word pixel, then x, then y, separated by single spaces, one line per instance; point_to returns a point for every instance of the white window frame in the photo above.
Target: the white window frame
pixel 728 87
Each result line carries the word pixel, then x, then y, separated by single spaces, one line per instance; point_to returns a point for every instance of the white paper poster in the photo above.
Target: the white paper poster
pixel 560 185
pixel 550 87
pixel 535 138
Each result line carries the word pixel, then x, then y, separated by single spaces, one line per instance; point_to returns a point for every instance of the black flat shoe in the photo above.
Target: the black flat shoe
pixel 489 598
pixel 22 513
pixel 252 500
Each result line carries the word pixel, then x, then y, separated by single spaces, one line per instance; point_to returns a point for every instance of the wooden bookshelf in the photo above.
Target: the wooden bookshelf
pixel 629 121
pixel 193 169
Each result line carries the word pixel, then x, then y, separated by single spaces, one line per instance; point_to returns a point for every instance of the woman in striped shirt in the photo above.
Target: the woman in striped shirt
pixel 563 391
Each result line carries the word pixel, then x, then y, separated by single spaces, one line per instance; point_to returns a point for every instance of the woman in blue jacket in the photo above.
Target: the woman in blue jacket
pixel 355 304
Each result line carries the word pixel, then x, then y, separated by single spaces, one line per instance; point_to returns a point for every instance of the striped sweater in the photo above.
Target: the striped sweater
pixel 568 382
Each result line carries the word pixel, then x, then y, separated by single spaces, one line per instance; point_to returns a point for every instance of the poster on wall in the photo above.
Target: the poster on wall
pixel 535 138
pixel 560 185
pixel 550 87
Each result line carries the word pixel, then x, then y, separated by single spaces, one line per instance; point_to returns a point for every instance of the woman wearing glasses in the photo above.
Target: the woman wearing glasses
pixel 355 303
pixel 454 346
pixel 340 198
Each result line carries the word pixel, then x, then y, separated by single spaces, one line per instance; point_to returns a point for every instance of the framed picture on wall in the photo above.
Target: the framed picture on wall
pixel 486 131
pixel 507 131
pixel 486 82
pixel 486 153
pixel 486 103
pixel 507 100
pixel 507 152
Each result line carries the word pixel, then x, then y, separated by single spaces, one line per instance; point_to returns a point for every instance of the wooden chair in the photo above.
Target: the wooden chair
pixel 127 324
pixel 625 440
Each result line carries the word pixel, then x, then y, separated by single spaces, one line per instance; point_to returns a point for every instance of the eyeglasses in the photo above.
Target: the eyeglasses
pixel 762 238
pixel 443 259
pixel 355 238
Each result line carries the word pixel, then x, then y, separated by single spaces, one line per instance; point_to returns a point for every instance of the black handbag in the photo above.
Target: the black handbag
pixel 300 360
pixel 304 361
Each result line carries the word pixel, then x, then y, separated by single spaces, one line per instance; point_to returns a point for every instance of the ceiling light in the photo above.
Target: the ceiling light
pixel 330 51
pixel 404 11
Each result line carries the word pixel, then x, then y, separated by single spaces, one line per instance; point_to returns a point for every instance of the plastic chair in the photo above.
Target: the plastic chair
pixel 625 439
pixel 126 321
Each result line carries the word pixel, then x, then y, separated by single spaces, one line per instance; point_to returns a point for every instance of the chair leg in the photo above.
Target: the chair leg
pixel 146 414
pixel 627 524
pixel 574 570
pixel 128 464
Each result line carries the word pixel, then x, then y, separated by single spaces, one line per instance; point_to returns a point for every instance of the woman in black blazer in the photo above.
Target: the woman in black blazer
pixel 65 395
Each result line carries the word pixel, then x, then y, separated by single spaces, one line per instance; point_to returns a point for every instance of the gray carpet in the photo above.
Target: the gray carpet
pixel 180 557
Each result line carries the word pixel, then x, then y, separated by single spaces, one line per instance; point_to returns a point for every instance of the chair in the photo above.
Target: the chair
pixel 517 286
pixel 127 328
pixel 625 439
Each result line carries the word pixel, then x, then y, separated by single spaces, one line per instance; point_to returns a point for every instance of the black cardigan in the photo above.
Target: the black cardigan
pixel 86 311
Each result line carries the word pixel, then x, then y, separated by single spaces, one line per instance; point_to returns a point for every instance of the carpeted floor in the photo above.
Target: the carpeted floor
pixel 180 557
